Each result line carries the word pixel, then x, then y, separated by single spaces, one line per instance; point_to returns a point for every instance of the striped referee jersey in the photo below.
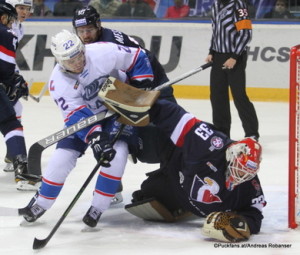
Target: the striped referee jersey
pixel 232 27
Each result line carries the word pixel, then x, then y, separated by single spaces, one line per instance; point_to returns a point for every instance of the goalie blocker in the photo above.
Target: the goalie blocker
pixel 131 103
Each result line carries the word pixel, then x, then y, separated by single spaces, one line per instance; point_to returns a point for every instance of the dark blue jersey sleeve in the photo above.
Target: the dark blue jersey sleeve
pixel 160 77
pixel 8 44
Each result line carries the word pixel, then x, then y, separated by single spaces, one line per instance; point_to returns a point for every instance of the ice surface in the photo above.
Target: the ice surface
pixel 121 233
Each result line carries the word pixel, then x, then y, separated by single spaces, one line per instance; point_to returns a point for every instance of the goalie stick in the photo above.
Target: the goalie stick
pixel 36 150
pixel 41 243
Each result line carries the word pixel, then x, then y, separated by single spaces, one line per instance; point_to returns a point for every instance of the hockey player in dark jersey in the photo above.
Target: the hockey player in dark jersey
pixel 12 87
pixel 87 25
pixel 208 175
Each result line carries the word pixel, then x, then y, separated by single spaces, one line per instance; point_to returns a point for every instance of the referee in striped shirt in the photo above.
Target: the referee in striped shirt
pixel 231 33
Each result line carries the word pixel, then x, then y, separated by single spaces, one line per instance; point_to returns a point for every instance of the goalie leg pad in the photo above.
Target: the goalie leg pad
pixel 150 209
pixel 226 226
pixel 153 210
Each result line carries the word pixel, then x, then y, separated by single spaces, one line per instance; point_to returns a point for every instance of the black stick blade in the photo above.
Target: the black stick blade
pixel 34 158
pixel 39 243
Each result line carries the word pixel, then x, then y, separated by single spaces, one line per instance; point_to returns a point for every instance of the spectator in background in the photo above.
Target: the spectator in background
pixel 178 10
pixel 66 7
pixel 40 9
pixel 135 8
pixel 106 8
pixel 280 11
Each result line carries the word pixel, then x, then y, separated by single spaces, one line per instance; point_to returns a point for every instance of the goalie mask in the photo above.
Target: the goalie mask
pixel 68 50
pixel 243 159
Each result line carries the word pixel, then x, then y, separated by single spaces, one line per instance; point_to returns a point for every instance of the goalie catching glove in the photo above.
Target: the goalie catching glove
pixel 101 147
pixel 226 226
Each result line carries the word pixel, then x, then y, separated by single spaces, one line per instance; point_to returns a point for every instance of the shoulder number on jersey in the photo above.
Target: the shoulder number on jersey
pixel 242 13
pixel 203 131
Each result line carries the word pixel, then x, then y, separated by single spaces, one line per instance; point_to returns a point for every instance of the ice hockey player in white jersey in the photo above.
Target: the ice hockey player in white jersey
pixel 74 85
pixel 87 25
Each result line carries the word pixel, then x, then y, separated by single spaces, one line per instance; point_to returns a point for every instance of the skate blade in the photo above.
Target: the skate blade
pixel 25 223
pixel 9 168
pixel 26 186
pixel 88 229
pixel 117 199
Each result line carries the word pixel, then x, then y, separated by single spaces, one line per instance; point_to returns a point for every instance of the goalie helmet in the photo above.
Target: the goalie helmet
pixel 243 159
pixel 14 3
pixel 65 46
pixel 85 16
pixel 9 10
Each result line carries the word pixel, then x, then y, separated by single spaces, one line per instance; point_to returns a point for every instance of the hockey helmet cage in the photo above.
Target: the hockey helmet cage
pixel 85 16
pixel 6 8
pixel 66 45
pixel 243 159
pixel 14 3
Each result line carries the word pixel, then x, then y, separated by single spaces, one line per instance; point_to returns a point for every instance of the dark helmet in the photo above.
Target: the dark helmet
pixel 8 9
pixel 85 16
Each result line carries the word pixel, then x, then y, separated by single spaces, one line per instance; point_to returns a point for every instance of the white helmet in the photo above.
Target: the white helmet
pixel 66 45
pixel 14 3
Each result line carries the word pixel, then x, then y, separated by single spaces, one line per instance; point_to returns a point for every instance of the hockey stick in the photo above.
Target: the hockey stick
pixel 41 243
pixel 183 76
pixel 35 151
pixel 36 99
pixel 42 92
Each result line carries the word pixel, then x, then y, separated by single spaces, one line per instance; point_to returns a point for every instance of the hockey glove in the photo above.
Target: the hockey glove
pixel 144 84
pixel 226 226
pixel 101 147
pixel 18 88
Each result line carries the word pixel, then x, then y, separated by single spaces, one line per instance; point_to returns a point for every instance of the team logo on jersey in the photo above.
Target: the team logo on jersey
pixel 204 191
pixel 216 143
pixel 92 89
